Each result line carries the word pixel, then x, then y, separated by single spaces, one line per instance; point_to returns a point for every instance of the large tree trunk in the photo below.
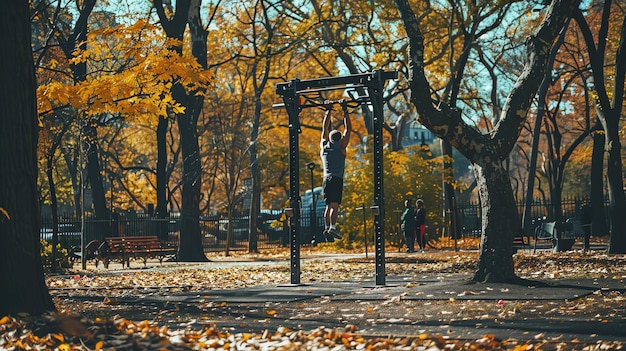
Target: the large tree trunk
pixel 617 206
pixel 190 244
pixel 487 152
pixel 609 110
pixel 188 13
pixel 21 274
pixel 599 226
pixel 500 221
pixel 190 248
pixel 614 148
pixel 161 178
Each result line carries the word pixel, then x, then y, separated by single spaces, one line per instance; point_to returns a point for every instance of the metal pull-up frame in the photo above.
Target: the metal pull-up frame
pixel 295 94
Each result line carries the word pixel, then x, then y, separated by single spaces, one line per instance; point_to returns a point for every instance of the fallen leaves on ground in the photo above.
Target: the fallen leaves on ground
pixel 92 316
pixel 122 334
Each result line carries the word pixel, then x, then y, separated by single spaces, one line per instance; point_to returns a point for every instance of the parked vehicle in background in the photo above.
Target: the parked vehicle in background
pixel 306 214
pixel 307 204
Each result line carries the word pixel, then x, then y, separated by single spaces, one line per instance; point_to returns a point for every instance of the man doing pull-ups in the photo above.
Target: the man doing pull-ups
pixel 333 146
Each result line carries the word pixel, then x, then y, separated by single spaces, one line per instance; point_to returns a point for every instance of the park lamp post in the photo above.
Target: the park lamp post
pixel 111 217
pixel 313 219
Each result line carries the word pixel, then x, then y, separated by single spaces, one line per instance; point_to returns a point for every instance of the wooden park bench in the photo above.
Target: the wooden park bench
pixel 520 241
pixel 126 247
pixel 91 251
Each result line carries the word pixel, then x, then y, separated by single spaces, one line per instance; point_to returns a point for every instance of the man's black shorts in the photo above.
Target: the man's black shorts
pixel 333 189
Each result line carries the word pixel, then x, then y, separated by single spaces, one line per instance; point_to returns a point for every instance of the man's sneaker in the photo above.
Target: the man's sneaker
pixel 333 233
pixel 327 237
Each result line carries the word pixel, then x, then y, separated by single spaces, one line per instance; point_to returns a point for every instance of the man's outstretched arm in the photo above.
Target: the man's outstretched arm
pixel 347 125
pixel 326 126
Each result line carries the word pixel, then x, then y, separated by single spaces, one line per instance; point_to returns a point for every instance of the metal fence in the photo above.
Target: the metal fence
pixel 469 213
pixel 214 230
pixel 272 233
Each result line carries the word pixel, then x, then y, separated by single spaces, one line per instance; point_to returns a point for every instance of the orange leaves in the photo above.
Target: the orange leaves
pixel 131 71
pixel 70 326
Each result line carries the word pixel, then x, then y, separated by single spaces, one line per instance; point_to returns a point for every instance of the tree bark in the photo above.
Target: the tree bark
pixel 609 111
pixel 500 221
pixel 21 273
pixel 615 173
pixel 161 178
pixel 489 151
pixel 599 226
pixel 190 244
pixel 188 12
pixel 617 201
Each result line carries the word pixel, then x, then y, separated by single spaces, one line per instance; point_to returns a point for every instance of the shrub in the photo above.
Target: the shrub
pixel 62 256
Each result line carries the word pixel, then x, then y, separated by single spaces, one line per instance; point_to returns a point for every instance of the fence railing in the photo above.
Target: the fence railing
pixel 214 230
pixel 469 213
pixel 270 232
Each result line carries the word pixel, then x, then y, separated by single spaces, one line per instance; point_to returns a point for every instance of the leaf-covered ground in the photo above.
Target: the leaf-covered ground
pixel 94 313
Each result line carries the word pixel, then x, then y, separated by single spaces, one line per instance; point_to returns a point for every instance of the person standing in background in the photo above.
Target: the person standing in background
pixel 420 221
pixel 407 224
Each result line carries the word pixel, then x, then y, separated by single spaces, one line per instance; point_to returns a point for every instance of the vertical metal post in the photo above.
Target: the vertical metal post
pixel 375 88
pixel 288 93
pixel 365 231
pixel 111 232
pixel 81 168
pixel 313 214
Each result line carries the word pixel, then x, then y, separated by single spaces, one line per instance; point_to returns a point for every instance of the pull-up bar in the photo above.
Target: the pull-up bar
pixel 292 92
pixel 319 90
pixel 306 102
pixel 362 80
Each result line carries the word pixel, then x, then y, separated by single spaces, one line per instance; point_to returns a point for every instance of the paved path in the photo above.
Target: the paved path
pixel 252 302
pixel 454 287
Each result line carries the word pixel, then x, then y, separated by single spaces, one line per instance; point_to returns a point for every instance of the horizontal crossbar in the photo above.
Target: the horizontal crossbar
pixel 333 83
pixel 350 103
pixel 317 90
